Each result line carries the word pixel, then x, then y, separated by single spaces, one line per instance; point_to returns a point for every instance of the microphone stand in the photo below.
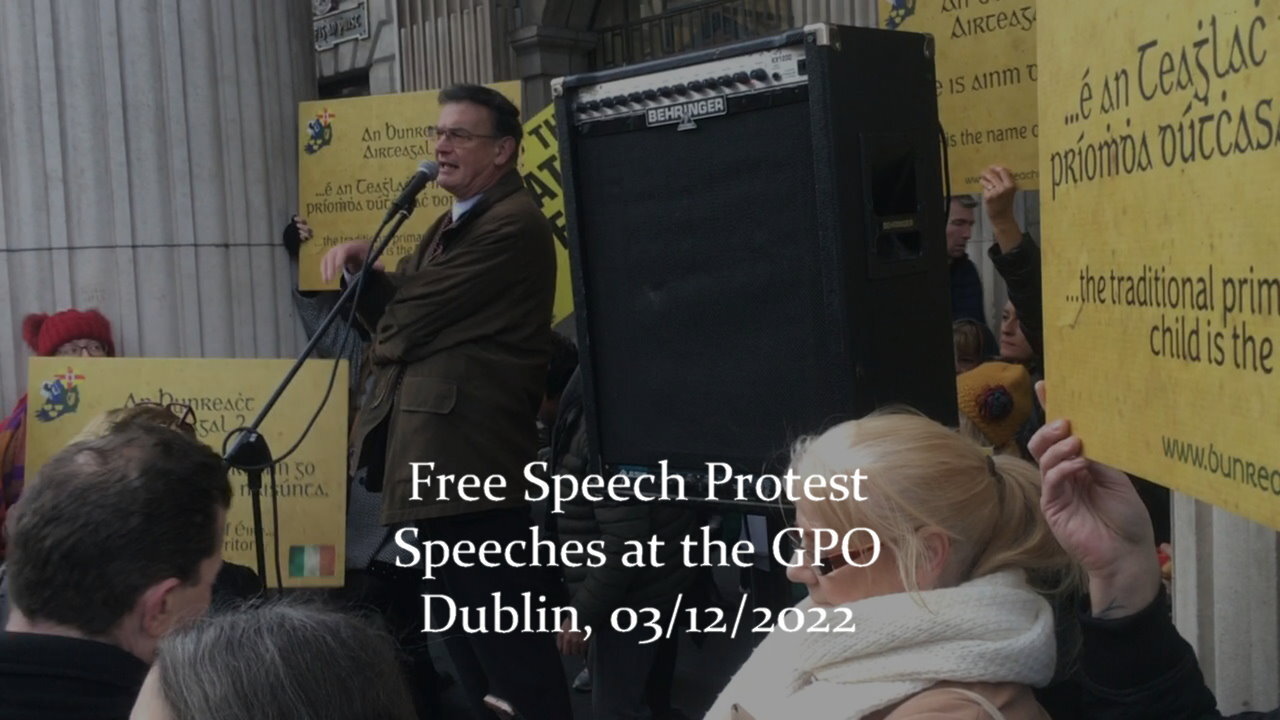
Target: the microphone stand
pixel 250 453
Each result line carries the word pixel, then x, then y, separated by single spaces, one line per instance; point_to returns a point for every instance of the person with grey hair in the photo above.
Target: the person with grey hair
pixel 116 543
pixel 273 662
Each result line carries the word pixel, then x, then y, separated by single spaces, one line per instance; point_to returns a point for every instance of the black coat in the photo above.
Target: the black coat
pixel 966 291
pixel 461 340
pixel 1139 668
pixel 50 677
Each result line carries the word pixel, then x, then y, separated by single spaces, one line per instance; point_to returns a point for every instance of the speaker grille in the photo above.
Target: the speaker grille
pixel 714 338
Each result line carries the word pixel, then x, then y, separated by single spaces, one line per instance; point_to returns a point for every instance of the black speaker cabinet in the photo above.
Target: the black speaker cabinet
pixel 757 242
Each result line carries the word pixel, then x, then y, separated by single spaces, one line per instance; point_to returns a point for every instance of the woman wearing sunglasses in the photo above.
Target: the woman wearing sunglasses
pixel 942 583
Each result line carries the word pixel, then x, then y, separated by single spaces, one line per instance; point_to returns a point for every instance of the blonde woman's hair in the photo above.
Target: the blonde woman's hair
pixel 974 434
pixel 921 474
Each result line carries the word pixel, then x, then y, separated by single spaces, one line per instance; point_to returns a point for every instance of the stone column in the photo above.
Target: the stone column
pixel 555 41
pixel 149 161
pixel 545 52
pixel 1226 602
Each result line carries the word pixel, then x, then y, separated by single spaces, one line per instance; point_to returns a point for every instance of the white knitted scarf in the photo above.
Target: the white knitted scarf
pixel 992 629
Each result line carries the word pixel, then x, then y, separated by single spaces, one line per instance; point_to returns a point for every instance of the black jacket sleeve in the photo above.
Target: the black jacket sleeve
pixel 1139 667
pixel 1020 269
pixel 371 303
pixel 966 291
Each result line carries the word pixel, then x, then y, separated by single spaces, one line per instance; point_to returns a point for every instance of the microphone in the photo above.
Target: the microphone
pixel 427 172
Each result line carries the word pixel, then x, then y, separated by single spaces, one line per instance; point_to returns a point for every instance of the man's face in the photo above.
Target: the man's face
pixel 959 229
pixel 471 158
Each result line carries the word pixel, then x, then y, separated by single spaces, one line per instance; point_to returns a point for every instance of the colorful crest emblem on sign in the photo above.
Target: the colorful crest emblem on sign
pixel 899 11
pixel 61 396
pixel 320 131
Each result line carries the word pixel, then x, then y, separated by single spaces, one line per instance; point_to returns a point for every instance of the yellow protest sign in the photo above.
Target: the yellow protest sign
pixel 1161 146
pixel 540 166
pixel 354 155
pixel 986 82
pixel 66 394
pixel 358 152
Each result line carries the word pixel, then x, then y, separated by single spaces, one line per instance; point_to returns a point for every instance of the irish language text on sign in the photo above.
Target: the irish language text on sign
pixel 67 394
pixel 986 81
pixel 1161 146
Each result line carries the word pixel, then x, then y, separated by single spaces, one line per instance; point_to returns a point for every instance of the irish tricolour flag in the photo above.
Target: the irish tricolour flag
pixel 311 560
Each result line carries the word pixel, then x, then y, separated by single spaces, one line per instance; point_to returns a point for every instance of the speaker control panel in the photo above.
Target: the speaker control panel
pixel 686 94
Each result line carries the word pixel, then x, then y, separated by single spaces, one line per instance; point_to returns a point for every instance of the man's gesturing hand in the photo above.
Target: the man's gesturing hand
pixel 349 256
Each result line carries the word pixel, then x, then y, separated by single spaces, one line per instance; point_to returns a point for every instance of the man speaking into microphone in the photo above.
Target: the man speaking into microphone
pixel 461 336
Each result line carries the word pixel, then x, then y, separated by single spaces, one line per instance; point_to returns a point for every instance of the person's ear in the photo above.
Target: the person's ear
pixel 937 552
pixel 158 610
pixel 505 150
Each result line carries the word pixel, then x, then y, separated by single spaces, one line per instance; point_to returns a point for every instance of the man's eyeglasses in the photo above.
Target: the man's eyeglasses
pixel 458 136
pixel 184 415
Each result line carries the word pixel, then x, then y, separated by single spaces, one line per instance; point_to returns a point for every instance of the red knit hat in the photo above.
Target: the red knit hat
pixel 46 333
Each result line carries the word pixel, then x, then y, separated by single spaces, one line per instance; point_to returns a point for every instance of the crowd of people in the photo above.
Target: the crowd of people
pixel 1013 577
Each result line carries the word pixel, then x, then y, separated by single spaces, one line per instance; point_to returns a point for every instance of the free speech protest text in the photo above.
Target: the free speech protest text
pixel 722 484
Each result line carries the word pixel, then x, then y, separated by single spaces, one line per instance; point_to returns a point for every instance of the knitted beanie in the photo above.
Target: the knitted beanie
pixel 996 397
pixel 46 333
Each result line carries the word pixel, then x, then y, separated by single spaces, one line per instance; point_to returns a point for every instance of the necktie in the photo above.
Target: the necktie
pixel 437 244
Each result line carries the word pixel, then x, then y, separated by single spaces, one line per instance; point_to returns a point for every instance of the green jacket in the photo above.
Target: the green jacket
pixel 459 354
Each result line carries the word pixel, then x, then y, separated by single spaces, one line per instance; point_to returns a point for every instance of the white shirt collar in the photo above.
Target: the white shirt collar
pixel 461 207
